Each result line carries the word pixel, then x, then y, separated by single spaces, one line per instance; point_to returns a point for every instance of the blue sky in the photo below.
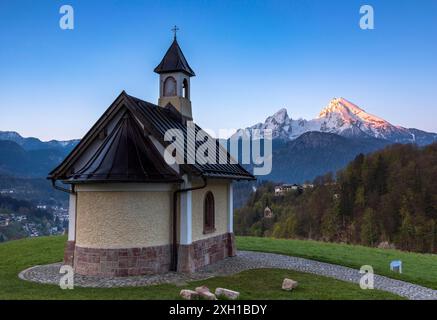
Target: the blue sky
pixel 251 59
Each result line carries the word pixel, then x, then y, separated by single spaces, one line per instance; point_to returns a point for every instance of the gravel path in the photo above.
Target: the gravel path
pixel 49 274
pixel 245 260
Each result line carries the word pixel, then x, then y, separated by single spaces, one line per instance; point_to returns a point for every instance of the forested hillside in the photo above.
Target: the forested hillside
pixel 16 161
pixel 386 198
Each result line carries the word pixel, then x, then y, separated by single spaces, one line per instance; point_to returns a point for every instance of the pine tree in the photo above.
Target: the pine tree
pixel 331 224
pixel 433 236
pixel 369 228
pixel 406 231
pixel 290 226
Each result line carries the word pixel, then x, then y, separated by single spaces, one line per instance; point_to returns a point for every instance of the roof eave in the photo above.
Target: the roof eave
pixel 228 176
pixel 101 181
pixel 159 71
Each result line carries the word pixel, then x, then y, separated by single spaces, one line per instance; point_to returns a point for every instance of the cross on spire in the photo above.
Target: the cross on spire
pixel 175 29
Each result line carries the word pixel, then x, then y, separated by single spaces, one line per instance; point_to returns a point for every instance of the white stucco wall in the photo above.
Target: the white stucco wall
pixel 135 215
pixel 219 189
pixel 117 219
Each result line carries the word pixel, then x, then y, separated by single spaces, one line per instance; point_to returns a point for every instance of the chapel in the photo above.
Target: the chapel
pixel 133 212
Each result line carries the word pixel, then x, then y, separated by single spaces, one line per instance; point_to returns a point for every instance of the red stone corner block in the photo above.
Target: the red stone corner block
pixel 232 249
pixel 69 253
pixel 206 251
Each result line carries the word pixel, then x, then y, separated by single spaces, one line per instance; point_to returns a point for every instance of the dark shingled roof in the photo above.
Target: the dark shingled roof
pixel 128 154
pixel 125 155
pixel 164 119
pixel 174 61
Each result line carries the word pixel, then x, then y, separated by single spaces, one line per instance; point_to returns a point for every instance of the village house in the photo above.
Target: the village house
pixel 133 213
pixel 284 188
pixel 4 221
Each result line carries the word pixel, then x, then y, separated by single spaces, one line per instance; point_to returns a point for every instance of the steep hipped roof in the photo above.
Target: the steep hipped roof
pixel 174 61
pixel 163 119
pixel 156 121
pixel 125 155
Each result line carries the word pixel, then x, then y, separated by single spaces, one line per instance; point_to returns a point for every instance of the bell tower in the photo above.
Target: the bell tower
pixel 174 79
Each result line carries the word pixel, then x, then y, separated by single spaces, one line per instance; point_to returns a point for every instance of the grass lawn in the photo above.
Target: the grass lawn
pixel 417 268
pixel 16 256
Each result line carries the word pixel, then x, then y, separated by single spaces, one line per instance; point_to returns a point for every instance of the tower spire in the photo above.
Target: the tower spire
pixel 174 79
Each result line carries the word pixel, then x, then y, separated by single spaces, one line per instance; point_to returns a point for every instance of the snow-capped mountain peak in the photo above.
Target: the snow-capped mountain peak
pixel 340 105
pixel 276 122
pixel 344 118
pixel 281 116
pixel 350 113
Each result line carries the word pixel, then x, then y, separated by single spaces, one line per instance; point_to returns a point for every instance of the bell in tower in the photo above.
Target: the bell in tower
pixel 174 80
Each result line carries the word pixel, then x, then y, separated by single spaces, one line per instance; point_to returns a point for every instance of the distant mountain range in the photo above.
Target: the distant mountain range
pixel 36 144
pixel 345 119
pixel 304 149
pixel 30 157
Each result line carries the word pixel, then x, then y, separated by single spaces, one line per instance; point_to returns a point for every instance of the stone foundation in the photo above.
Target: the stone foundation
pixel 204 252
pixel 122 262
pixel 148 260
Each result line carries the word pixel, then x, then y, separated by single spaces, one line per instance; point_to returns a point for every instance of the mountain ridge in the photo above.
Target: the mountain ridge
pixel 32 143
pixel 18 162
pixel 30 157
pixel 302 149
pixel 341 117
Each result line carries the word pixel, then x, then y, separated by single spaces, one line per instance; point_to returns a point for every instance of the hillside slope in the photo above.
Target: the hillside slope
pixel 384 198
pixel 315 153
pixel 16 161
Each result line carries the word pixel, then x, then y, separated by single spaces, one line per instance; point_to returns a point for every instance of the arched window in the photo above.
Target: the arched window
pixel 169 87
pixel 186 91
pixel 208 213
